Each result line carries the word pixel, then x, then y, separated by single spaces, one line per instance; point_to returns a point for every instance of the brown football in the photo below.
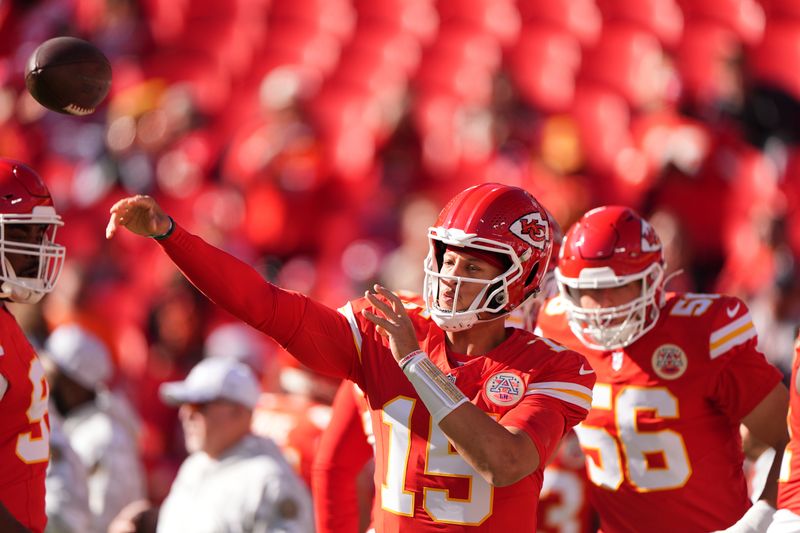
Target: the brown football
pixel 68 75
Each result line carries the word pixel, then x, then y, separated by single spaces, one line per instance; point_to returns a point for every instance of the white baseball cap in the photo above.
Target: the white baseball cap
pixel 80 355
pixel 214 379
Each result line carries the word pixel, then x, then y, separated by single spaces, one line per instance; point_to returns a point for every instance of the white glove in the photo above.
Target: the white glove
pixel 756 520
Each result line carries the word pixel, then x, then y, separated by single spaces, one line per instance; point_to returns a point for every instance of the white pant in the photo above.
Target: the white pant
pixel 784 521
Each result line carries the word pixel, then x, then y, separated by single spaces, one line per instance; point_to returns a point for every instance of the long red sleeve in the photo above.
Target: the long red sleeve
pixel 341 455
pixel 320 337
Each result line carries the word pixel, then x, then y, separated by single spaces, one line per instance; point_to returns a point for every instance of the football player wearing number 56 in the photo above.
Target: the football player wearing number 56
pixel 676 374
pixel 465 411
pixel 30 265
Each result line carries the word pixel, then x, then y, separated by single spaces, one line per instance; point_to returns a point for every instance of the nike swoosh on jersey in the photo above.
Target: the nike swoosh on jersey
pixel 583 371
pixel 732 310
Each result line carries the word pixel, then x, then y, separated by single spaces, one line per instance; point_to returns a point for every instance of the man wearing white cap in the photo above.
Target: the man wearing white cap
pixel 233 481
pixel 100 427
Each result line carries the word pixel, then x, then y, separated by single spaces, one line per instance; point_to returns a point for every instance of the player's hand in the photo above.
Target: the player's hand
pixel 394 322
pixel 140 214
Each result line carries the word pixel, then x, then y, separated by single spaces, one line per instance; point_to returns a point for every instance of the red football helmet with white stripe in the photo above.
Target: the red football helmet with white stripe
pixel 610 247
pixel 495 218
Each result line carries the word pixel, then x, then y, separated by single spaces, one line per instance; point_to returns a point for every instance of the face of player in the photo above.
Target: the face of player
pixel 465 265
pixel 213 427
pixel 24 265
pixel 609 297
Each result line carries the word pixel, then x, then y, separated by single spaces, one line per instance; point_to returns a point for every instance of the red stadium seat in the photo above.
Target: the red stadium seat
pixel 703 58
pixel 468 82
pixel 460 44
pixel 629 61
pixel 662 18
pixel 400 50
pixel 302 45
pixel 775 60
pixel 613 152
pixel 543 65
pixel 777 9
pixel 580 17
pixel 331 16
pixel 415 17
pixel 498 18
pixel 745 17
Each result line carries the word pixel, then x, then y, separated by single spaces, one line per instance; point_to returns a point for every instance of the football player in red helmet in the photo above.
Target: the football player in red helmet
pixel 446 376
pixel 676 374
pixel 30 262
pixel 346 448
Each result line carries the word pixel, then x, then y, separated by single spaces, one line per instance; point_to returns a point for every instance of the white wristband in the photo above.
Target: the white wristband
pixel 756 520
pixel 437 392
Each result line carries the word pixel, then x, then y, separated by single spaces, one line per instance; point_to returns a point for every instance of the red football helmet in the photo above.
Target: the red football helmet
pixel 610 247
pixel 492 218
pixel 25 201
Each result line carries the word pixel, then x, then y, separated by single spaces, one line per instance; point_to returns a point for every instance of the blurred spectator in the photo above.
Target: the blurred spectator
pixel 100 426
pixel 293 408
pixel 67 497
pixel 261 493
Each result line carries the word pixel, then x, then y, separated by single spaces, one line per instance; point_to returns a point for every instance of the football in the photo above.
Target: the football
pixel 68 75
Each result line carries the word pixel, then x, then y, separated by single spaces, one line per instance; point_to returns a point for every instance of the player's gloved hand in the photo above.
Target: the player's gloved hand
pixel 756 520
pixel 141 215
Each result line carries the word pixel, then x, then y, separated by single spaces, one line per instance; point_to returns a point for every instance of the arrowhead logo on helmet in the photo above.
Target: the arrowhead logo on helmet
pixel 531 228
pixel 650 241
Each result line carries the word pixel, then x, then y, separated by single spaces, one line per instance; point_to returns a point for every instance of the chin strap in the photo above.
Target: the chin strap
pixel 13 290
pixel 19 294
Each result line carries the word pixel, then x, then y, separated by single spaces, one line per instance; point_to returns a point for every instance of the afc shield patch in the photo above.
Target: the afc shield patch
pixel 504 389
pixel 669 361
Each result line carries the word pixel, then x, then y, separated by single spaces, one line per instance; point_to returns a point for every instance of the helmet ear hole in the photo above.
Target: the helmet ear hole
pixel 532 276
pixel 500 299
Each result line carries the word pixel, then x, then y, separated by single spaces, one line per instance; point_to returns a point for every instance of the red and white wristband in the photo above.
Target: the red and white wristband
pixel 437 392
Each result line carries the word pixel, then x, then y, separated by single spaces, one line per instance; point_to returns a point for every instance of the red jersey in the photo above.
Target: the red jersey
pixel 422 484
pixel 564 501
pixel 662 438
pixel 789 481
pixel 295 424
pixel 24 427
pixel 344 450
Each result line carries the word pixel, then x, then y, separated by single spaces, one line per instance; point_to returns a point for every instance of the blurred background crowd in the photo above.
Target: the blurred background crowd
pixel 317 139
